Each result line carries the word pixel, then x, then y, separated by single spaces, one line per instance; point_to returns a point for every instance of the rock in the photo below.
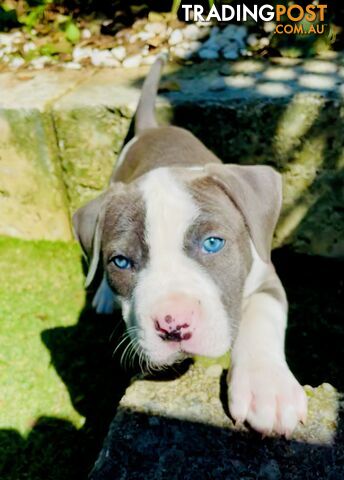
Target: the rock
pixel 176 37
pixel 257 43
pixel 269 27
pixel 40 62
pixel 245 53
pixel 192 32
pixel 90 116
pixel 156 416
pixel 86 34
pixel 72 65
pixel 32 195
pixel 29 47
pixel 155 17
pixel 264 42
pixel 234 32
pixel 208 54
pixel 103 58
pixel 132 62
pixel 155 27
pixel 133 37
pixel 189 47
pixel 212 44
pixel 145 50
pixel 214 31
pixel 218 42
pixel 269 471
pixel 181 52
pixel 144 36
pixel 230 53
pixel 17 62
pixel 198 389
pixel 252 40
pixel 194 46
pixel 241 32
pixel 119 53
pixel 149 59
pixel 82 53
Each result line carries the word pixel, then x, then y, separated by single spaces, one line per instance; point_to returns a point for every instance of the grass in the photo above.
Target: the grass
pixel 41 288
pixel 58 383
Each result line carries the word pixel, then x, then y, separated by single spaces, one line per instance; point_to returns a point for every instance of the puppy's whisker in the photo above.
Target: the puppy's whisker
pixel 115 330
pixel 135 352
pixel 124 339
pixel 124 354
pixel 131 352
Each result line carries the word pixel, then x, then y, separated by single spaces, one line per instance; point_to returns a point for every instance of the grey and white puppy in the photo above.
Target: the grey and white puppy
pixel 184 242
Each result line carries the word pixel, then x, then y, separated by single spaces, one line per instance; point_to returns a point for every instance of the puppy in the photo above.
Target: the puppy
pixel 184 245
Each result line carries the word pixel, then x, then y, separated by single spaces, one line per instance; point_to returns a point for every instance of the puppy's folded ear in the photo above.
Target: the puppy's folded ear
pixel 88 226
pixel 257 193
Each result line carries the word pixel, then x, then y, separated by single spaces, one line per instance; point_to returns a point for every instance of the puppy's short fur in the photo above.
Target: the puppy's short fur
pixel 168 193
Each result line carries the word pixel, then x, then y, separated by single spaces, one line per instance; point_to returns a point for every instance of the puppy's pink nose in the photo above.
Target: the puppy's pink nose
pixel 175 317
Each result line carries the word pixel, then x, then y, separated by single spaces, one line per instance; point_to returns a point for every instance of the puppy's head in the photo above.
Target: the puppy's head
pixel 175 246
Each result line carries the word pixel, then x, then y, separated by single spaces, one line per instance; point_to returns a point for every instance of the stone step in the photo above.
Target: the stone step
pixel 181 423
pixel 61 132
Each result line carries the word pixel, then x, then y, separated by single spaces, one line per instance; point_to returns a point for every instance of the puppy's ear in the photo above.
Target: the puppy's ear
pixel 88 227
pixel 257 193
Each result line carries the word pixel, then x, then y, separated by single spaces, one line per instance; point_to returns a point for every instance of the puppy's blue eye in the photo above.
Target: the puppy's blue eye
pixel 213 244
pixel 122 262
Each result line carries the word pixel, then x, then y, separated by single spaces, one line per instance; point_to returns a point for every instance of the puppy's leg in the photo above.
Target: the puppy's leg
pixel 262 389
pixel 105 301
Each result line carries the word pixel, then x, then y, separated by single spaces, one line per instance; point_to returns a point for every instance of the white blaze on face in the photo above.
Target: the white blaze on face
pixel 171 274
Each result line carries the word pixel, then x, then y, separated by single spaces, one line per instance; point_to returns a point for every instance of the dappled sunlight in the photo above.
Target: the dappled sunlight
pixel 294 123
pixel 291 218
pixel 239 81
pixel 279 74
pixel 248 66
pixel 320 66
pixel 317 82
pixel 274 89
pixel 298 179
pixel 282 112
pixel 340 160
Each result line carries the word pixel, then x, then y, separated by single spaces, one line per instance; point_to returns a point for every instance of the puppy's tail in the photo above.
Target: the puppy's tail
pixel 145 117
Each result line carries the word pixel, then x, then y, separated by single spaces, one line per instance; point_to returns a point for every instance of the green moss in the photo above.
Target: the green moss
pixel 41 287
pixel 224 361
pixel 59 382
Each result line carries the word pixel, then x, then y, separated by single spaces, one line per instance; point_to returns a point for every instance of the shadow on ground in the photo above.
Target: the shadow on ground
pixel 82 356
pixel 164 448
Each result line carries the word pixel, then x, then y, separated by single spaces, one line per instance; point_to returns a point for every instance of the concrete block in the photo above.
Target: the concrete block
pixel 33 200
pixel 180 426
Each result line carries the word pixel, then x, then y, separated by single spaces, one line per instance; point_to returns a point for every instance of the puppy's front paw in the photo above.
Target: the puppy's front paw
pixel 267 396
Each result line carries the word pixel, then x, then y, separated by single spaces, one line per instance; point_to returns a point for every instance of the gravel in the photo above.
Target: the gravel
pixel 194 41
